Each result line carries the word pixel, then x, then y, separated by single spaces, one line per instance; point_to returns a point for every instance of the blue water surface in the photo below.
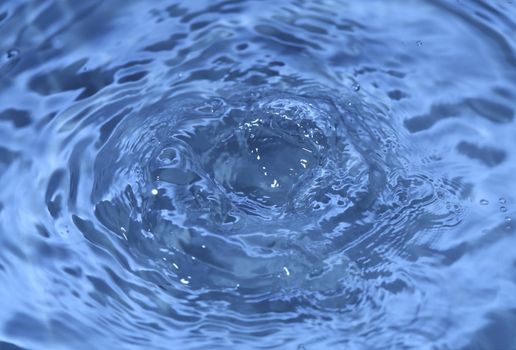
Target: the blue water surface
pixel 294 174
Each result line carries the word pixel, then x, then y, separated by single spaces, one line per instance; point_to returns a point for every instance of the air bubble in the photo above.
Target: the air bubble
pixel 484 202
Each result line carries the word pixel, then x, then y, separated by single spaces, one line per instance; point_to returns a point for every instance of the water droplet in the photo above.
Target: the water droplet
pixel 508 222
pixel 356 87
pixel 484 202
pixel 12 53
pixel 123 232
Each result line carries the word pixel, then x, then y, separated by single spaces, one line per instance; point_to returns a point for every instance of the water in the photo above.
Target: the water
pixel 255 175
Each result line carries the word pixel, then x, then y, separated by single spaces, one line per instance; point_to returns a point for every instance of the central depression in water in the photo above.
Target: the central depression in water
pixel 249 192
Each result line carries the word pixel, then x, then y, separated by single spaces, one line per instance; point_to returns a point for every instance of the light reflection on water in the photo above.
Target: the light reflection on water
pixel 250 174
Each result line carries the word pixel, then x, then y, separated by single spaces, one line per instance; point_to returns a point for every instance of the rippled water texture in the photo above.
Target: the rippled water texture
pixel 257 174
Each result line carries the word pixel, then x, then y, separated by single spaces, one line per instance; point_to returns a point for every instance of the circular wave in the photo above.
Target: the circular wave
pixel 237 171
pixel 234 183
pixel 258 196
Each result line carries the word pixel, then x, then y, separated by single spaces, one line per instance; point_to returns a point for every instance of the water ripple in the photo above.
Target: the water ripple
pixel 238 174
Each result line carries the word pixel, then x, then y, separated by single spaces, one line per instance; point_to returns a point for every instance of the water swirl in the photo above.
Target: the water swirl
pixel 234 175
